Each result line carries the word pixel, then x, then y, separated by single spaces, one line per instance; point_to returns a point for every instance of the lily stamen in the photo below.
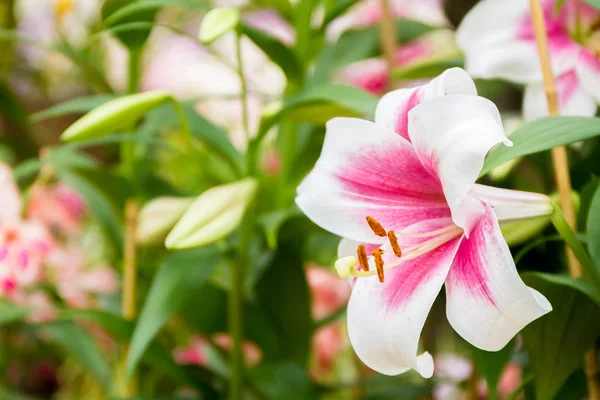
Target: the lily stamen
pixel 376 227
pixel 394 243
pixel 361 253
pixel 378 257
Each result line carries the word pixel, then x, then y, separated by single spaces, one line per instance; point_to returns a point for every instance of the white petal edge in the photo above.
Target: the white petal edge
pixel 452 135
pixel 487 302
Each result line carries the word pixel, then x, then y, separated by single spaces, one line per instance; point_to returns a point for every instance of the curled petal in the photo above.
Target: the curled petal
pixel 513 204
pixel 365 170
pixel 392 110
pixel 573 98
pixel 487 302
pixel 498 41
pixel 453 145
pixel 385 319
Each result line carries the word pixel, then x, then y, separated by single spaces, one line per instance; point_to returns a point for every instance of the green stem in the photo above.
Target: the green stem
pixel 133 71
pixel 589 268
pixel 236 308
pixel 183 120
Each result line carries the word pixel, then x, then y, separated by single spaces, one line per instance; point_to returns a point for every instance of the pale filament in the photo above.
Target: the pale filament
pixel 427 234
pixel 415 251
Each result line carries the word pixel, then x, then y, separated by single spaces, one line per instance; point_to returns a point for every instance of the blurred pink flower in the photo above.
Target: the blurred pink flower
pixel 58 206
pixel 328 341
pixel 367 13
pixel 198 351
pixel 511 379
pixel 329 293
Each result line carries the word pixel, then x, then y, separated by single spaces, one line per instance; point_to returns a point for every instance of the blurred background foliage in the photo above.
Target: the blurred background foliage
pixel 63 58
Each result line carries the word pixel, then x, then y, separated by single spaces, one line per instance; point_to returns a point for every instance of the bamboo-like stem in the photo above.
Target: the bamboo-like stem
pixel 129 284
pixel 561 172
pixel 387 31
pixel 559 154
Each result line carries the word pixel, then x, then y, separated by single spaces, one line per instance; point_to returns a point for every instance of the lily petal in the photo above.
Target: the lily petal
pixel 392 110
pixel 365 170
pixel 9 196
pixel 513 204
pixel 487 302
pixel 573 98
pixel 453 146
pixel 498 41
pixel 385 319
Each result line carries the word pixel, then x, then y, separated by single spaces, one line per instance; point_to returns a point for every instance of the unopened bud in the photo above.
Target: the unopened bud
pixel 158 217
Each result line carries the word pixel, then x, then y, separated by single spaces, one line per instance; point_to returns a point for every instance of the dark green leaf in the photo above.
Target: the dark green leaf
pixel 82 347
pixel 593 228
pixel 144 6
pixel 285 381
pixel 541 135
pixel 179 278
pixel 80 105
pixel 586 195
pixel 133 40
pixel 121 330
pixel 557 341
pixel 284 297
pixel 278 52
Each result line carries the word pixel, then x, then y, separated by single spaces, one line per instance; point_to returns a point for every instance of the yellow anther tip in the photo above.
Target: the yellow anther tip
pixel 344 265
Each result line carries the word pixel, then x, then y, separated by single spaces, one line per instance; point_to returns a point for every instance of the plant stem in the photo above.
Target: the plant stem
pixel 561 171
pixel 387 33
pixel 129 285
pixel 559 154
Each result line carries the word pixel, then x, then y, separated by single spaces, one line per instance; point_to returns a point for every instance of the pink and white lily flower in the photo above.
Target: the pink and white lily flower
pixel 413 171
pixel 498 40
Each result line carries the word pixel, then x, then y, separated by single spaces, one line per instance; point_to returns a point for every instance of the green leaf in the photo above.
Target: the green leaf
pixel 121 329
pixel 143 6
pixel 586 195
pixel 338 9
pixel 491 364
pixel 541 135
pixel 576 283
pixel 10 313
pixel 556 342
pixel 428 68
pixel 284 381
pixel 273 221
pixel 133 40
pixel 218 22
pixel 81 346
pixel 284 297
pixel 277 52
pixel 179 278
pixel 79 105
pixel 593 228
pixel 590 271
pixel 105 194
pixel 114 115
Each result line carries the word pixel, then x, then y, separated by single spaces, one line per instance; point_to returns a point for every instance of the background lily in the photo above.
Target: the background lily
pixel 498 40
pixel 414 172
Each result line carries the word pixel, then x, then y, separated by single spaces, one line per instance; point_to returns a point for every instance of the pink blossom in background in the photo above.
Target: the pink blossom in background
pixel 372 74
pixel 498 41
pixel 58 206
pixel 328 292
pixel 368 12
pixel 198 350
pixel 414 170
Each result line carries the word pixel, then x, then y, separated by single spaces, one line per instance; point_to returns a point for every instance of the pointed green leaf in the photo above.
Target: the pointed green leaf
pixel 541 135
pixel 179 278
pixel 79 105
pixel 593 228
pixel 557 341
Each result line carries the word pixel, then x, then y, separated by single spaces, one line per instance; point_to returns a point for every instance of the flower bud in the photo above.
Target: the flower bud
pixel 217 22
pixel 114 115
pixel 214 215
pixel 158 217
